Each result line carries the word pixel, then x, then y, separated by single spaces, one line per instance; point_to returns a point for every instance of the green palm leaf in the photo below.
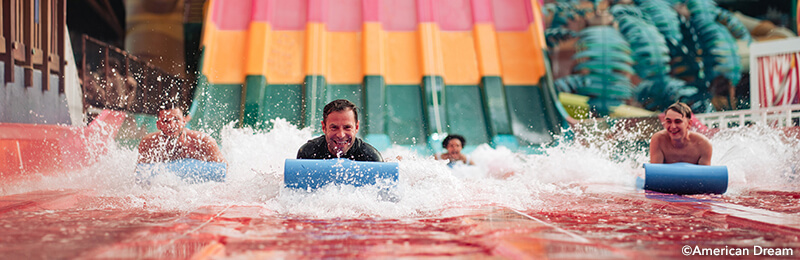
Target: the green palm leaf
pixel 604 57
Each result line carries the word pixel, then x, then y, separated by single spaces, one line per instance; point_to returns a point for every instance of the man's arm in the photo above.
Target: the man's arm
pixel 303 153
pixel 211 152
pixel 376 157
pixel 145 150
pixel 656 156
pixel 370 153
pixel 705 150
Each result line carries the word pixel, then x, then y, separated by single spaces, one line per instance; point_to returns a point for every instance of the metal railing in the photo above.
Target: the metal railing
pixel 781 116
pixel 114 79
pixel 32 37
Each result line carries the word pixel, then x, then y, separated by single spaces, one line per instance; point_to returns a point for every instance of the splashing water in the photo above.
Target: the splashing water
pixel 757 159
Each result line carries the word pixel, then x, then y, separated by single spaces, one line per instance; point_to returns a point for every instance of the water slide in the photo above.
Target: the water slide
pixel 62 218
pixel 607 223
pixel 418 70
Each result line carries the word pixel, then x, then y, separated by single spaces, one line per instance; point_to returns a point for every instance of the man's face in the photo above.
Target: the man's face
pixel 454 146
pixel 677 125
pixel 340 129
pixel 171 122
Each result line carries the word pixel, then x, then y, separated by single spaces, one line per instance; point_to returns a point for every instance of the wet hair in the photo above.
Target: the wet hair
pixel 169 105
pixel 681 108
pixel 339 105
pixel 451 137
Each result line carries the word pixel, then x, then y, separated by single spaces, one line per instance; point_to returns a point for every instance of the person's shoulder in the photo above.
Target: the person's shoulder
pixel 659 135
pixel 364 145
pixel 699 135
pixel 196 134
pixel 316 141
pixel 311 148
pixel 313 143
pixel 149 137
pixel 660 132
pixel 658 140
pixel 700 138
pixel 199 136
pixel 368 151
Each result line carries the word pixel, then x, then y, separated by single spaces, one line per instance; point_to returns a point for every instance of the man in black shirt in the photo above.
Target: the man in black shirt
pixel 339 128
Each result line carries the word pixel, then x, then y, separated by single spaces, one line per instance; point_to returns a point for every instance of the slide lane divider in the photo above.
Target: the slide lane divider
pixel 170 244
pixel 570 234
pixel 744 216
pixel 540 245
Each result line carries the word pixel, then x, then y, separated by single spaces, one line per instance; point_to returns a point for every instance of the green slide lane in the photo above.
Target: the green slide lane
pixel 418 117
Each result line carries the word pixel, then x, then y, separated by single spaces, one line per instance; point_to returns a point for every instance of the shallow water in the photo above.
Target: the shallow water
pixel 757 159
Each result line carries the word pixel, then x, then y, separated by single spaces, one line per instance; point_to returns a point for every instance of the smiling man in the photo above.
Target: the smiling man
pixel 174 141
pixel 676 143
pixel 339 128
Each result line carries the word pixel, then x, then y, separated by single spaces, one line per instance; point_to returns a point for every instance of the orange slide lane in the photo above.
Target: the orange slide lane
pixel 285 41
pixel 26 149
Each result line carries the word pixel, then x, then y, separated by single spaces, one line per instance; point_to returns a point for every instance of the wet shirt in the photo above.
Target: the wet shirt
pixel 317 148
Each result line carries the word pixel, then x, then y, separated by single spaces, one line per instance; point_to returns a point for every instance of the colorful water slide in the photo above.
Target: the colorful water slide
pixel 34 150
pixel 417 69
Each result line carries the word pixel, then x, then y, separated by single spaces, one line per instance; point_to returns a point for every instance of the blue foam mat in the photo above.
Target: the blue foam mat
pixel 686 178
pixel 310 174
pixel 189 170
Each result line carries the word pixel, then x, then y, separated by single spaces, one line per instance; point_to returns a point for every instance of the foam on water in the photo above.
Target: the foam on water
pixel 757 158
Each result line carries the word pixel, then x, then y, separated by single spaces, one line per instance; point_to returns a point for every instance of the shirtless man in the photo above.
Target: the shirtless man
pixel 676 143
pixel 175 142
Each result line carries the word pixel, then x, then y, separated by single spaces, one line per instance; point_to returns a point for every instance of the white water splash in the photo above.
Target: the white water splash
pixel 757 158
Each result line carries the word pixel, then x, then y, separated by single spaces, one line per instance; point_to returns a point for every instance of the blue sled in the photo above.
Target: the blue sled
pixel 189 170
pixel 685 178
pixel 312 174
